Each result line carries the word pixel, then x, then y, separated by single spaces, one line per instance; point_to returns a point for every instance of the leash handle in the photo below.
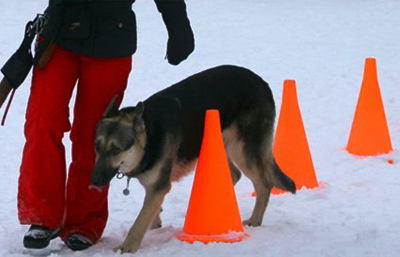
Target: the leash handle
pixel 3 121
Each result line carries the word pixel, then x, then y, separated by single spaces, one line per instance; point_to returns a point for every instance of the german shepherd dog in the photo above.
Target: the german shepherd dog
pixel 159 140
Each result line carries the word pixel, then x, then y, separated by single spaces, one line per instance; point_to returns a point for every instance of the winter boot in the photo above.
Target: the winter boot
pixel 38 237
pixel 78 242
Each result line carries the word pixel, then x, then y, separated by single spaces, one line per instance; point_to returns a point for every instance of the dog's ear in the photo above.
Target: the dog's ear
pixel 138 125
pixel 112 109
pixel 135 116
pixel 135 112
pixel 139 109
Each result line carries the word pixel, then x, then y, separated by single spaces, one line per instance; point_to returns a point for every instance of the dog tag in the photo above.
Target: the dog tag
pixel 126 191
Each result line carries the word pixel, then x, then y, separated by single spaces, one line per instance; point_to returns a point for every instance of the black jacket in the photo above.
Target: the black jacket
pixel 107 28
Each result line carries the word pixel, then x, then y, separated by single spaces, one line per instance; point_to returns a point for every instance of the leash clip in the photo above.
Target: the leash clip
pixel 36 26
pixel 120 175
pixel 41 21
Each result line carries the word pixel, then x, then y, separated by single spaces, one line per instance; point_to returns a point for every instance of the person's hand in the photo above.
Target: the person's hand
pixel 180 35
pixel 180 45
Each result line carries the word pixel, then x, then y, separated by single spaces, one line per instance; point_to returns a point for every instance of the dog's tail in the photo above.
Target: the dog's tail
pixel 281 180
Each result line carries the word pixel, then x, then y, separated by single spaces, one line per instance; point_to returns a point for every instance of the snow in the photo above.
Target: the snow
pixel 320 44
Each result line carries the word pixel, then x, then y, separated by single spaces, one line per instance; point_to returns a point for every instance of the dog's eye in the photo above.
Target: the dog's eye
pixel 115 151
pixel 97 147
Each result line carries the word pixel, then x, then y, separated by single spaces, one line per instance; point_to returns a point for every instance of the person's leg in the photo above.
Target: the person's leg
pixel 100 79
pixel 41 189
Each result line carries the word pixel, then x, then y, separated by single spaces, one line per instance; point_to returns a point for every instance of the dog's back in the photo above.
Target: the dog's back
pixel 238 94
pixel 229 89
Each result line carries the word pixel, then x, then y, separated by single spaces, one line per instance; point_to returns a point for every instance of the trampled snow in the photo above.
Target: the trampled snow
pixel 320 44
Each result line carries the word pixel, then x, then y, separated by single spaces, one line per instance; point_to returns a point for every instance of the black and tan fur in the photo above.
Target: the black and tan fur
pixel 159 140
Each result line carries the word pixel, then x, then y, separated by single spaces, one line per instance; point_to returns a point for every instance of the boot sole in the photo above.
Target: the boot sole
pixel 77 247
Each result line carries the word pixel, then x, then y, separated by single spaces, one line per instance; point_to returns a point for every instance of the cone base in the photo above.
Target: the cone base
pixel 368 154
pixel 277 191
pixel 232 237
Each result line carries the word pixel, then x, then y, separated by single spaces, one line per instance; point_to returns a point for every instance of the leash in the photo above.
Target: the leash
pixel 32 28
pixel 3 121
pixel 121 175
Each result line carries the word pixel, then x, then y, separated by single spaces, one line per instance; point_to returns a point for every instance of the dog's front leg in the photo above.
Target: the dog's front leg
pixel 157 222
pixel 151 206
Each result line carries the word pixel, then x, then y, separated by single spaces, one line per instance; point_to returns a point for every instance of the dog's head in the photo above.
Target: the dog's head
pixel 119 142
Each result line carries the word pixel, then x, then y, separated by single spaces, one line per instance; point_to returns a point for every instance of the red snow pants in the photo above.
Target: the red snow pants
pixel 46 195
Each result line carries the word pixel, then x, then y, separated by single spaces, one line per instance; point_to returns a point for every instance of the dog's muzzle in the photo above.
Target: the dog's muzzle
pixel 102 174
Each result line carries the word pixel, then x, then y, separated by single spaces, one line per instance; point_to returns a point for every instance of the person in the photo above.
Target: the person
pixel 94 47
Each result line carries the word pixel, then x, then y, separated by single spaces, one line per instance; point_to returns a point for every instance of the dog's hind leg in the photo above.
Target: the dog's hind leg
pixel 240 161
pixel 235 172
pixel 230 136
pixel 252 171
pixel 263 192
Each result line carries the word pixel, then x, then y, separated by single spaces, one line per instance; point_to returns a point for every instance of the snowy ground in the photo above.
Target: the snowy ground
pixel 321 44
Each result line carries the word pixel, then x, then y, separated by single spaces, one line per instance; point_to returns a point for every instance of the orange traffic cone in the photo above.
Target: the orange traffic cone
pixel 291 150
pixel 213 214
pixel 369 133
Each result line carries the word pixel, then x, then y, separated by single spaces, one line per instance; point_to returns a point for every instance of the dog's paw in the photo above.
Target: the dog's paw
pixel 156 226
pixel 124 248
pixel 157 223
pixel 251 223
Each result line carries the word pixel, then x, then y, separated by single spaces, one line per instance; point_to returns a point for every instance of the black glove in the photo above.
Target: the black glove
pixel 180 35
pixel 20 63
pixel 180 45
